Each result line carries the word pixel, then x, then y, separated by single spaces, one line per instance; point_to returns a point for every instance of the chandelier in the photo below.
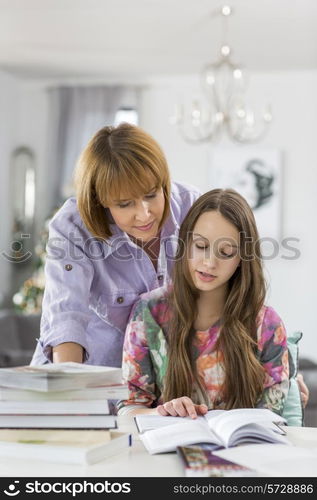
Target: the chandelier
pixel 223 105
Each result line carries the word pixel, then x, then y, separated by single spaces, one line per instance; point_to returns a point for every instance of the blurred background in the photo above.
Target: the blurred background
pixel 225 92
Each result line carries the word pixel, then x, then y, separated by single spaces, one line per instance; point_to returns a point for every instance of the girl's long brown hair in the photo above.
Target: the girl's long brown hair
pixel 237 341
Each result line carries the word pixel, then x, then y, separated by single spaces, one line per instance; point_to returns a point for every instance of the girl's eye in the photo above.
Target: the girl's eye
pixel 200 247
pixel 226 255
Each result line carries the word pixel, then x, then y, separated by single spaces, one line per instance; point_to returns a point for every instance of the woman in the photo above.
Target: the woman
pixel 112 243
pixel 208 341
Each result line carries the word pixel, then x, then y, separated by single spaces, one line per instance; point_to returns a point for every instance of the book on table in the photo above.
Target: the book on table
pixel 101 392
pixel 52 421
pixel 59 376
pixel 62 446
pixel 56 407
pixel 199 461
pixel 220 428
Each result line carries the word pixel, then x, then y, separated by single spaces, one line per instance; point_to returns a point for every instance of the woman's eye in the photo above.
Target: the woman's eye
pixel 124 205
pixel 200 247
pixel 152 195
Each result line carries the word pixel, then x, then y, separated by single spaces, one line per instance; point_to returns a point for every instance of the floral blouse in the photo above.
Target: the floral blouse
pixel 145 354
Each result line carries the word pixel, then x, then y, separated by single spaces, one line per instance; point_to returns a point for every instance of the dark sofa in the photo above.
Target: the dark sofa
pixel 18 334
pixel 309 370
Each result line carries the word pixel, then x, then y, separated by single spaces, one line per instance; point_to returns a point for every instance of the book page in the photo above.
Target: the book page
pixel 168 438
pixel 149 422
pixel 255 433
pixel 227 422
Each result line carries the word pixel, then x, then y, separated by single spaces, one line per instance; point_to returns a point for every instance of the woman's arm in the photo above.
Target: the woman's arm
pixel 68 276
pixel 68 351
pixel 304 391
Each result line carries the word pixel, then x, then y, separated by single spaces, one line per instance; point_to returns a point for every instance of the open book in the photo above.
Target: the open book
pixel 220 428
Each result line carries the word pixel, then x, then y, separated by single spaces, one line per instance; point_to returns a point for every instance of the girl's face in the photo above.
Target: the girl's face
pixel 214 252
pixel 140 217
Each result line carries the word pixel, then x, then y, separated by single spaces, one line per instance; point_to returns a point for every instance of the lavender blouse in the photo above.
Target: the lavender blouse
pixel 91 286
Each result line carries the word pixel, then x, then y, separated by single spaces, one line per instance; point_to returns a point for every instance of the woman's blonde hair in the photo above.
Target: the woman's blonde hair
pixel 118 162
pixel 244 375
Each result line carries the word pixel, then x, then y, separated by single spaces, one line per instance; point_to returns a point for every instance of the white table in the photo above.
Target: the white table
pixel 132 462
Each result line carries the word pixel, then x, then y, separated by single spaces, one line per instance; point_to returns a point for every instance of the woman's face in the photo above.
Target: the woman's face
pixel 140 217
pixel 214 252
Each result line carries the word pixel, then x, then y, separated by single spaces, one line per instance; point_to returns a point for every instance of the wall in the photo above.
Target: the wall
pixel 8 120
pixel 32 131
pixel 293 131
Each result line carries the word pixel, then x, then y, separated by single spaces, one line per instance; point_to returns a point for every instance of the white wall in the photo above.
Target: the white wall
pixel 32 131
pixel 8 121
pixel 294 131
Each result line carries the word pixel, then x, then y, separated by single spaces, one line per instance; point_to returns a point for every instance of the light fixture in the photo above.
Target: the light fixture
pixel 223 105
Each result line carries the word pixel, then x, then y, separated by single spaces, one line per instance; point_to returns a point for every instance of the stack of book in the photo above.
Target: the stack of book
pixel 66 407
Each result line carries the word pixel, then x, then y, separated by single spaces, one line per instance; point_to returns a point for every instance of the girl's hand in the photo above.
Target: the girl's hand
pixel 182 407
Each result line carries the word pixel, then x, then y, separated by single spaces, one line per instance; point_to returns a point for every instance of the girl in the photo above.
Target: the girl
pixel 209 341
pixel 112 243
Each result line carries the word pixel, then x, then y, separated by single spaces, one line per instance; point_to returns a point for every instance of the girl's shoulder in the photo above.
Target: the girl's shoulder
pixel 157 303
pixel 270 327
pixel 268 316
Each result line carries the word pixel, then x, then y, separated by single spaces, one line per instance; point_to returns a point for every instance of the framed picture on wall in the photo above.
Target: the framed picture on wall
pixel 257 175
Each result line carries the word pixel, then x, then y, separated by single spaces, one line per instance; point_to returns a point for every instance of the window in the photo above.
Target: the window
pixel 127 115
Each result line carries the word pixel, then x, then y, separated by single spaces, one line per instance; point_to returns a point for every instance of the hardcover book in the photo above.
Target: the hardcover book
pixel 62 407
pixel 199 461
pixel 50 421
pixel 62 446
pixel 113 391
pixel 59 376
pixel 219 428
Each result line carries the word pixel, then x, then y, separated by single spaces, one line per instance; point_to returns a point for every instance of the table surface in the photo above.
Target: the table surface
pixel 134 461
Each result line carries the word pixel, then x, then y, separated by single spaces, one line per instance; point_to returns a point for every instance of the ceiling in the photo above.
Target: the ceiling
pixel 145 38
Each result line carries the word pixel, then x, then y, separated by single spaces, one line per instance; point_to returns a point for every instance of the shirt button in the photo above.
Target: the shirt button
pixel 68 267
pixel 160 277
pixel 120 300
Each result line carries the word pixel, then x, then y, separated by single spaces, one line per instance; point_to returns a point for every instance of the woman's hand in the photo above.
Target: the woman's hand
pixel 304 392
pixel 68 351
pixel 182 407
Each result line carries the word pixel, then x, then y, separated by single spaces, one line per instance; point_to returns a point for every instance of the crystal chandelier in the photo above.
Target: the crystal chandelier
pixel 223 105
